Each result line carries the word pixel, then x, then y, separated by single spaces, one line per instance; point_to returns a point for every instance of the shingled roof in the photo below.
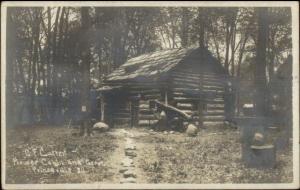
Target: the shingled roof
pixel 152 65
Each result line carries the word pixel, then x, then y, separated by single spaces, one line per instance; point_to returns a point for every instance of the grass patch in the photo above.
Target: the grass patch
pixel 214 156
pixel 53 155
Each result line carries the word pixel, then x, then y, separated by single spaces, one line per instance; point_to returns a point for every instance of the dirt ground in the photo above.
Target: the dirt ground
pixel 56 155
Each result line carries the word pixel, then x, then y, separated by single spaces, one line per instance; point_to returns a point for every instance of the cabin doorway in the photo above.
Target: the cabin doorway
pixel 134 112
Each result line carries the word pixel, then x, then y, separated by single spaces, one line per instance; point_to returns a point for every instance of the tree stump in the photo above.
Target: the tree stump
pixel 263 156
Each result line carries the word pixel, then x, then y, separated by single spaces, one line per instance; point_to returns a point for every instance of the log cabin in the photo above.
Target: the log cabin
pixel 189 81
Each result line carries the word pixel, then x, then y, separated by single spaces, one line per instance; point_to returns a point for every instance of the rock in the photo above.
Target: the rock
pixel 171 132
pixel 258 139
pixel 128 180
pixel 127 162
pixel 165 132
pixel 122 170
pixel 130 153
pixel 130 147
pixel 129 173
pixel 101 127
pixel 191 130
pixel 129 142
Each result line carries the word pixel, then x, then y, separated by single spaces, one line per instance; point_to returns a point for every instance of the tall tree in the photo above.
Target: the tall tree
pixel 201 17
pixel 260 62
pixel 85 56
pixel 185 27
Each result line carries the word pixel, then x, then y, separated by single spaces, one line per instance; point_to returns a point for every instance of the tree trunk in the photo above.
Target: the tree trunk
pixel 202 27
pixel 238 74
pixel 10 53
pixel 260 64
pixel 49 40
pixel 85 53
pixel 185 27
pixel 36 38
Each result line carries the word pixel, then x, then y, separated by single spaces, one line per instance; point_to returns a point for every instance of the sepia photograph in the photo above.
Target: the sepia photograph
pixel 139 95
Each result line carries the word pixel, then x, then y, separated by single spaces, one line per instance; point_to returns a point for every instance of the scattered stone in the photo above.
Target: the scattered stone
pixel 131 147
pixel 122 170
pixel 171 132
pixel 127 162
pixel 129 173
pixel 101 127
pixel 191 130
pixel 128 140
pixel 130 153
pixel 128 180
pixel 165 132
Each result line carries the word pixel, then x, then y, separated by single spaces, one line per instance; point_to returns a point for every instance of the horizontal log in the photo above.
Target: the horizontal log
pixel 144 91
pixel 213 118
pixel 203 73
pixel 213 123
pixel 182 106
pixel 152 96
pixel 215 105
pixel 185 76
pixel 213 87
pixel 181 84
pixel 147 117
pixel 144 106
pixel 215 101
pixel 187 90
pixel 145 111
pixel 122 115
pixel 121 120
pixel 214 112
pixel 147 122
pixel 186 79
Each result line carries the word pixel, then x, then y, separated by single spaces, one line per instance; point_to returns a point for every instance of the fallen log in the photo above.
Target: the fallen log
pixel 171 111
